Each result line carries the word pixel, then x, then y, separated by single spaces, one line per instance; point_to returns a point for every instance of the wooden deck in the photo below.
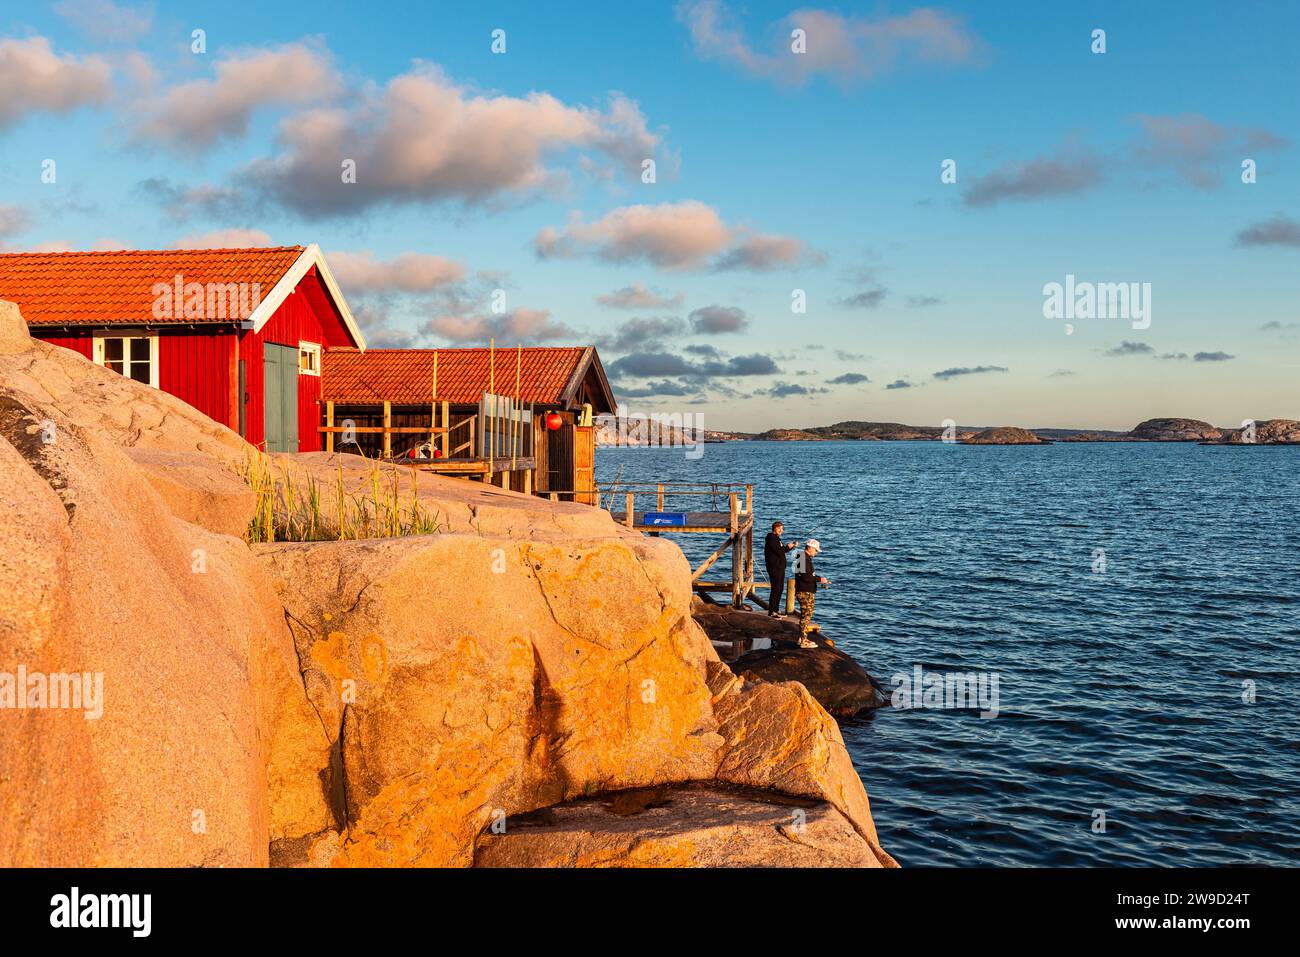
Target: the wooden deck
pixel 736 524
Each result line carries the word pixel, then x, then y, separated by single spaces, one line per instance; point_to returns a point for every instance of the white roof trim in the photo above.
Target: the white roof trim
pixel 311 256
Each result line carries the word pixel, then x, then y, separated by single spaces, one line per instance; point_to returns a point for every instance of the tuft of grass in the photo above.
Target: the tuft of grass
pixel 293 511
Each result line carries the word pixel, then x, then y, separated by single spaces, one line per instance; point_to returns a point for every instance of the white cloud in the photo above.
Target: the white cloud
pixel 225 239
pixel 424 138
pixel 847 49
pixel 410 272
pixel 637 296
pixel 194 115
pixel 519 325
pixel 34 78
pixel 674 236
pixel 1200 149
pixel 105 20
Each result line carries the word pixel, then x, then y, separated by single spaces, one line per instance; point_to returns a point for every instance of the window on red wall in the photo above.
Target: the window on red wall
pixel 135 357
pixel 309 358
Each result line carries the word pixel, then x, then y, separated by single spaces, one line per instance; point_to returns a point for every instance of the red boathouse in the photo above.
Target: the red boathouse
pixel 239 334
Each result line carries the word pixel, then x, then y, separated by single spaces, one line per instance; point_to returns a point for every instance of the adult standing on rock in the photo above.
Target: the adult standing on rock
pixel 805 589
pixel 774 552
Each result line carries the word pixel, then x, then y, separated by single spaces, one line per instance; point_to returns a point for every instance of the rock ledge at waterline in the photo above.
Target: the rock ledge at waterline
pixel 374 702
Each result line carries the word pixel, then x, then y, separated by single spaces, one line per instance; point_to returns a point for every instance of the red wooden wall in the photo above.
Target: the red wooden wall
pixel 200 367
pixel 193 367
pixel 196 368
pixel 77 343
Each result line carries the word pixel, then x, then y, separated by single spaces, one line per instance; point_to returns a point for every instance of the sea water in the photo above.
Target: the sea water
pixel 1138 604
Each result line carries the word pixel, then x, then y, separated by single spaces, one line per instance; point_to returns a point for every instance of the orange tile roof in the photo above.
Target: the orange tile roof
pixel 116 288
pixel 405 376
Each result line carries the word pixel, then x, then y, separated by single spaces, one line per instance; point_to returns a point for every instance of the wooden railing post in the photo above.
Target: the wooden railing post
pixel 446 431
pixel 388 424
pixel 749 563
pixel 631 499
pixel 737 561
pixel 661 496
pixel 329 422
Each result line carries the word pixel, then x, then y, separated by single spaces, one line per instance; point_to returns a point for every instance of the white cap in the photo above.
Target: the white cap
pixel 813 544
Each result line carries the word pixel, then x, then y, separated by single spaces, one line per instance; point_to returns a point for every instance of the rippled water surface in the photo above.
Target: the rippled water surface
pixel 1119 690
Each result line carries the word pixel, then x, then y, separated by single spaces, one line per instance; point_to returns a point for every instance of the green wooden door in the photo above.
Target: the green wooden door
pixel 280 402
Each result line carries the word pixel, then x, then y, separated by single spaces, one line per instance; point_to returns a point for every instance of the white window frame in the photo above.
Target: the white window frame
pixel 312 348
pixel 98 353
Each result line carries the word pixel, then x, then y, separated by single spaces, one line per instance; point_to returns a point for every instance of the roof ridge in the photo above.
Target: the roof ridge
pixel 407 351
pixel 156 252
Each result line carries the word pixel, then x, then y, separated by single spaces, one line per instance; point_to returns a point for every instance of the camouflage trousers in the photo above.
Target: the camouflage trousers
pixel 807 600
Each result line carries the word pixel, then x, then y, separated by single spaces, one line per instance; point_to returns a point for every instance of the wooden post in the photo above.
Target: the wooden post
pixel 433 409
pixel 749 500
pixel 789 596
pixel 329 423
pixel 446 431
pixel 736 561
pixel 630 513
pixel 749 562
pixel 473 449
pixel 514 417
pixel 528 481
pixel 661 496
pixel 492 389
pixel 388 424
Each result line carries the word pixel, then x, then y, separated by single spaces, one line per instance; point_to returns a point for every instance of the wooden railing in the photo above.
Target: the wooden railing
pixel 718 494
pixel 498 430
pixel 725 508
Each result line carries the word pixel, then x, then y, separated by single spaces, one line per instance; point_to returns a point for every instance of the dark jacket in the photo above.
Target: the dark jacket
pixel 807 579
pixel 774 552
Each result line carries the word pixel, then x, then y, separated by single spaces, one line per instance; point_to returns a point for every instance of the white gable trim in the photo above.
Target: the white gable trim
pixel 311 256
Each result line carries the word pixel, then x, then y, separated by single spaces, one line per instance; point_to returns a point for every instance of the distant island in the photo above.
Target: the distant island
pixel 1266 432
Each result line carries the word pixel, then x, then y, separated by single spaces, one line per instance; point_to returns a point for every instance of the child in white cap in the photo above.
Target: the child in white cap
pixel 805 590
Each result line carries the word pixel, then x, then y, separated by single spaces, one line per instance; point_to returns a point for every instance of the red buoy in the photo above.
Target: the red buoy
pixel 553 420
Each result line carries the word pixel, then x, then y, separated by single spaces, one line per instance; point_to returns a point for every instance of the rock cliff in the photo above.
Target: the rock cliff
pixel 426 700
pixel 1266 432
pixel 1004 435
pixel 839 683
pixel 1175 430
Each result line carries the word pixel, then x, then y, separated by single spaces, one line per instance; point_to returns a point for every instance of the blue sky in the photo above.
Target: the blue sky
pixel 776 172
